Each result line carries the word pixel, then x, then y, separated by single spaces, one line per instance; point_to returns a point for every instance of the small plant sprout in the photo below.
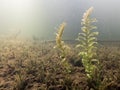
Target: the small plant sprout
pixel 20 81
pixel 87 43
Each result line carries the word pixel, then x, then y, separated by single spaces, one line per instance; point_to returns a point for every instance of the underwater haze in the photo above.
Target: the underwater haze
pixel 59 45
pixel 41 18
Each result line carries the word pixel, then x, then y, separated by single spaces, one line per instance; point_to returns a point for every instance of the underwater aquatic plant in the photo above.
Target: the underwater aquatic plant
pixel 87 43
pixel 62 47
pixel 20 83
pixel 59 42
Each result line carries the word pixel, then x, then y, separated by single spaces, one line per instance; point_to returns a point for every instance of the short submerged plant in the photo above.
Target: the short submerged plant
pixel 20 83
pixel 87 43
pixel 62 47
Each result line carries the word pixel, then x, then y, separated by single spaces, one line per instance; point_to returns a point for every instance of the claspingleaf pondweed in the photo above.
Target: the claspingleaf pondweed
pixel 87 44
pixel 63 48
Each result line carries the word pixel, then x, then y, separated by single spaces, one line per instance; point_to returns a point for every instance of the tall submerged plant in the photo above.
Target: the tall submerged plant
pixel 63 48
pixel 87 43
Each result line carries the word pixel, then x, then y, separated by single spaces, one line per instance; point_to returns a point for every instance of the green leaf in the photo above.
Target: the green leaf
pixel 80 45
pixel 92 43
pixel 92 34
pixel 91 39
pixel 82 53
pixel 82 34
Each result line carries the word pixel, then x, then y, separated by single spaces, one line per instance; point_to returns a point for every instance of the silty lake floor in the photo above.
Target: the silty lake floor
pixel 35 65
